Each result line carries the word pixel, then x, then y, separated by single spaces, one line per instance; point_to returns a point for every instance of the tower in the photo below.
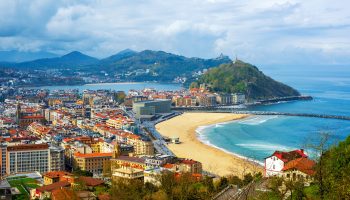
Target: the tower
pixel 18 113
pixel 116 150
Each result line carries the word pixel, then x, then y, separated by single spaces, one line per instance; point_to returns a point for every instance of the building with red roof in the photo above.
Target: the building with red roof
pixel 299 169
pixel 280 162
pixel 55 176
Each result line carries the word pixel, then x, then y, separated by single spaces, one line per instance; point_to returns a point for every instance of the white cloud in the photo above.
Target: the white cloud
pixel 271 31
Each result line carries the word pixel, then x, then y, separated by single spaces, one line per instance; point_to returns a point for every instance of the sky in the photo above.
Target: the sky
pixel 314 32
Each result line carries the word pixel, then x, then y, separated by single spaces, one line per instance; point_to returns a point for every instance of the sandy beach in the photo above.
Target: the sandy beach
pixel 213 160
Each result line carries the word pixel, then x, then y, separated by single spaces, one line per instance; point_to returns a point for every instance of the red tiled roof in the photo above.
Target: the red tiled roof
pixel 168 166
pixel 51 187
pixel 104 197
pixel 63 194
pixel 22 147
pixel 89 181
pixel 131 159
pixel 291 155
pixel 189 161
pixel 33 117
pixel 302 164
pixel 56 174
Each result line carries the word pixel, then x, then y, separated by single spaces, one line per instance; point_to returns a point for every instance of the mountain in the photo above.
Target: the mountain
pixel 245 78
pixel 70 60
pixel 18 56
pixel 129 65
pixel 162 66
pixel 120 55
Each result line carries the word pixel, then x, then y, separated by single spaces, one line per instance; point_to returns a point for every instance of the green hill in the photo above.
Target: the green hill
pixel 162 66
pixel 244 78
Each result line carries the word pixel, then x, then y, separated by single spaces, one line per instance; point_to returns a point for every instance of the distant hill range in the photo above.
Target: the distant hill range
pixel 241 77
pixel 17 56
pixel 146 65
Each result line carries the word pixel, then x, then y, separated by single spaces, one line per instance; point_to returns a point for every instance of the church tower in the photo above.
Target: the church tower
pixel 18 112
pixel 116 151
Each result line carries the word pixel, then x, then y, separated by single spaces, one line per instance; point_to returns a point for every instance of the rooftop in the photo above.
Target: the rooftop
pixel 92 155
pixel 51 187
pixel 291 155
pixel 302 164
pixel 57 174
pixel 23 147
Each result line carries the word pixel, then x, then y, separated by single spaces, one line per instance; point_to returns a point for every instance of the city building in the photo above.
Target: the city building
pixel 28 158
pixel 92 162
pixel 238 98
pixel 3 155
pixel 133 162
pixel 224 99
pixel 38 129
pixel 207 100
pixel 57 156
pixel 55 176
pixel 300 169
pixel 127 173
pixel 151 107
pixel 27 116
pixel 152 176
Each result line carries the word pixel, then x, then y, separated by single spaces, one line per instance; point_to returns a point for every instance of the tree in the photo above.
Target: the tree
pixel 320 147
pixel 79 172
pixel 167 180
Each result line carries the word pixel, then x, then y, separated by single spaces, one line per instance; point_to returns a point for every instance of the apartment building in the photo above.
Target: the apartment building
pixel 56 158
pixel 127 173
pixel 92 162
pixel 28 158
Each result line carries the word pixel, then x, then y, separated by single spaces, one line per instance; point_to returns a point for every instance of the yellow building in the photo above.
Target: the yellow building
pixel 92 162
pixel 119 122
pixel 55 176
pixel 97 147
pixel 141 147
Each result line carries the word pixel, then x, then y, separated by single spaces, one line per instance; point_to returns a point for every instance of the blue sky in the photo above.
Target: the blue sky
pixel 261 32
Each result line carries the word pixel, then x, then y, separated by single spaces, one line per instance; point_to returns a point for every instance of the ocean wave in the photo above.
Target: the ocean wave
pixel 256 120
pixel 264 146
pixel 219 125
pixel 206 141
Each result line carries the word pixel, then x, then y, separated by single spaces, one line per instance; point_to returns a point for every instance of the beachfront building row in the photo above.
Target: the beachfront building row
pixel 30 158
pixel 208 99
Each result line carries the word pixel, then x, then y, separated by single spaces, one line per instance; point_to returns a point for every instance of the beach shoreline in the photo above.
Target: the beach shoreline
pixel 213 159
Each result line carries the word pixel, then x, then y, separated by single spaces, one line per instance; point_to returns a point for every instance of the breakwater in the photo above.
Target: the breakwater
pixel 230 110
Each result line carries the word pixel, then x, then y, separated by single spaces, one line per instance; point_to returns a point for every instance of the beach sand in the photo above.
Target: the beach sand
pixel 213 160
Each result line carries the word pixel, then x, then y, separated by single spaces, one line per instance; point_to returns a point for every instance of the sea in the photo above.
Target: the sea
pixel 257 137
